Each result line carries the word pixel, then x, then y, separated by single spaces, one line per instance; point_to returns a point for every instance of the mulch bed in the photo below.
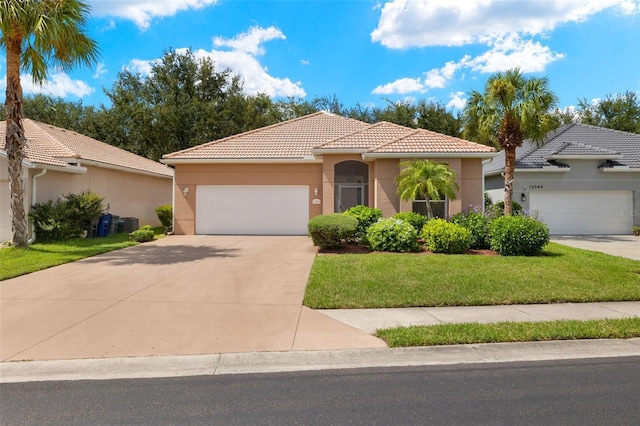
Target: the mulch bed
pixel 354 248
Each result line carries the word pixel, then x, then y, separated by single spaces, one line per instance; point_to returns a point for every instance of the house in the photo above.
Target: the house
pixel 60 161
pixel 274 179
pixel 584 180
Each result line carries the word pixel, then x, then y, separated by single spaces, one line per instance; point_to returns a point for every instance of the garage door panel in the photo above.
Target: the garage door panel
pixel 252 210
pixel 584 212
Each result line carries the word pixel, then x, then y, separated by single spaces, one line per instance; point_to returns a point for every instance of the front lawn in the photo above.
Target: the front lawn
pixel 15 262
pixel 466 333
pixel 386 280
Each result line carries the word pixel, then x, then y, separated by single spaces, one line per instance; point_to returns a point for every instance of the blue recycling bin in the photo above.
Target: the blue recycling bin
pixel 103 225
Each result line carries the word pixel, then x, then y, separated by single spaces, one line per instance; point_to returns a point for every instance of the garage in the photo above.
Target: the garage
pixel 584 212
pixel 252 210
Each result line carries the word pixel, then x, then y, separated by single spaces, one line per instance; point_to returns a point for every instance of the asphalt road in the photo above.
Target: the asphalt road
pixel 577 392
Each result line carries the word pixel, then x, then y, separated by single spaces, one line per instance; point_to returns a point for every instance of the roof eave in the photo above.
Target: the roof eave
pixel 383 155
pixel 298 160
pixel 544 169
pixel 621 169
pixel 584 157
pixel 168 175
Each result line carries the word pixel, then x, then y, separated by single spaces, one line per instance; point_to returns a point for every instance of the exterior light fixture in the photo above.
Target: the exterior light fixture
pixel 185 190
pixel 523 197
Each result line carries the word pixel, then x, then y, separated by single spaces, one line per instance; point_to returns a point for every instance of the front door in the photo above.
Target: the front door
pixel 349 195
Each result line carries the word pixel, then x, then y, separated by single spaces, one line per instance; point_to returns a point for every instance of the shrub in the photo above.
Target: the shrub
pixel 330 230
pixel 416 220
pixel 393 235
pixel 441 236
pixel 83 208
pixel 51 222
pixel 497 209
pixel 66 218
pixel 142 235
pixel 366 217
pixel 488 202
pixel 478 224
pixel 165 216
pixel 518 236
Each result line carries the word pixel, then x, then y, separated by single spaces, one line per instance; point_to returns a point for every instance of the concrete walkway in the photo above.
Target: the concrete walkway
pixel 369 320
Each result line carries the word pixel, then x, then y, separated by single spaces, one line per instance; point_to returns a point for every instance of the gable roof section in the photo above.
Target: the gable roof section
pixel 52 146
pixel 579 141
pixel 324 133
pixel 292 139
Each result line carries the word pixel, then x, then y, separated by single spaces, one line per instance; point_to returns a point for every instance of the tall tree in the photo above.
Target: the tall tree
pixel 619 112
pixel 512 108
pixel 426 179
pixel 36 35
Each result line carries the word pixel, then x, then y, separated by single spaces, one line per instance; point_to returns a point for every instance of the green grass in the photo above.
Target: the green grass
pixel 561 274
pixel 455 334
pixel 15 261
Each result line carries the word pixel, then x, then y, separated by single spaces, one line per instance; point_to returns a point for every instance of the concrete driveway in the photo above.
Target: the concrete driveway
pixel 617 245
pixel 175 296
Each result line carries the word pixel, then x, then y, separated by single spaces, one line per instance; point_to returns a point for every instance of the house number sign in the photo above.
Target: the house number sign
pixel 536 186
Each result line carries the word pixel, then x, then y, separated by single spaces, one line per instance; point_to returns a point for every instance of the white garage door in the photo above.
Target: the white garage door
pixel 252 210
pixel 584 212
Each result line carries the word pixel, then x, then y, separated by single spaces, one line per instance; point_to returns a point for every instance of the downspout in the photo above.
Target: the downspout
pixel 34 187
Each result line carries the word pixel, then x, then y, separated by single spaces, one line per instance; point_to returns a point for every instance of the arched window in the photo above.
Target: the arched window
pixel 351 185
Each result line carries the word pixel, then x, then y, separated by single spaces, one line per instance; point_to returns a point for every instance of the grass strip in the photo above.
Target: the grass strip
pixel 20 261
pixel 466 333
pixel 378 280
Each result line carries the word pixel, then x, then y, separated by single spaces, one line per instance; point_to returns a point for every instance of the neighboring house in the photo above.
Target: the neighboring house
pixel 584 180
pixel 60 162
pixel 274 179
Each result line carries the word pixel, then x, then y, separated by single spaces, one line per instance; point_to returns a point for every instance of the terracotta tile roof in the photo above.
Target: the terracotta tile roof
pixel 426 141
pixel 323 132
pixel 50 145
pixel 372 136
pixel 287 140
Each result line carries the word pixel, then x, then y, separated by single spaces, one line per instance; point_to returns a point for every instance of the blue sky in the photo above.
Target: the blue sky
pixel 367 51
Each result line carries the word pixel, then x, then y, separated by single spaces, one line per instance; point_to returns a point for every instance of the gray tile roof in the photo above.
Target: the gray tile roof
pixel 579 140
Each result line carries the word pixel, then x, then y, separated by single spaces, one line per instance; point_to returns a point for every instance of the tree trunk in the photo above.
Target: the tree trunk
pixel 15 140
pixel 509 166
pixel 429 208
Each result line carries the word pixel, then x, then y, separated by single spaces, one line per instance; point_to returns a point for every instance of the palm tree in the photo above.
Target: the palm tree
pixel 511 109
pixel 36 34
pixel 426 179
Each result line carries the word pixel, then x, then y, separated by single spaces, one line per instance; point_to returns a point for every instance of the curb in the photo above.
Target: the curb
pixel 272 362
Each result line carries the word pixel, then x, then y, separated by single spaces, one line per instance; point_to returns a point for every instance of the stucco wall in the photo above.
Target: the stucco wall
pixel 191 175
pixel 127 194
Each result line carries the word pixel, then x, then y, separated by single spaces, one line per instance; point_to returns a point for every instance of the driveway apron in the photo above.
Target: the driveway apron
pixel 175 296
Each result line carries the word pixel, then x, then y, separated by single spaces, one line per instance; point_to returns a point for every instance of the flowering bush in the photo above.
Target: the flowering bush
pixel 441 236
pixel 393 235
pixel 417 220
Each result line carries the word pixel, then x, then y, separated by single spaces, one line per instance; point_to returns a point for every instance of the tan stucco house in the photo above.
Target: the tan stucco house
pixel 60 161
pixel 274 179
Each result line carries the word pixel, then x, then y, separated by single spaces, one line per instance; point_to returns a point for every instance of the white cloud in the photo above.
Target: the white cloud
pixel 141 12
pixel 59 85
pixel 101 70
pixel 413 23
pixel 241 60
pixel 304 62
pixel 141 66
pixel 511 52
pixel 457 100
pixel 401 86
pixel 251 41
